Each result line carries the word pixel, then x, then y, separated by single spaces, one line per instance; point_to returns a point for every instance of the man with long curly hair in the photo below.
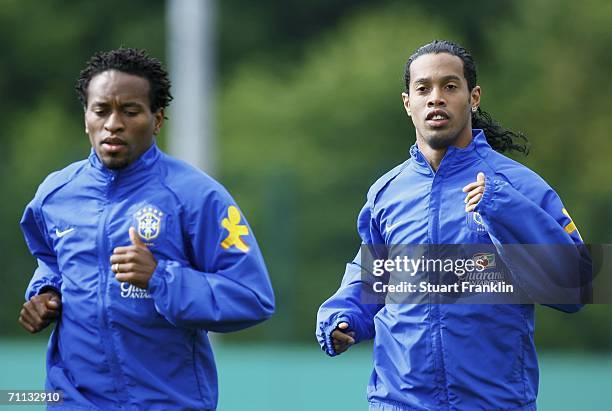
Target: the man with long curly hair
pixel 456 192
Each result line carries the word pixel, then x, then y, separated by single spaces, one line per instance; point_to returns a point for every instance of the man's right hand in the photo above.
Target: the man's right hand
pixel 40 311
pixel 341 338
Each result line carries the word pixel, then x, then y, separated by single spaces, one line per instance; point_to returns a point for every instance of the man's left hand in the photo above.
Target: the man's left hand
pixel 474 192
pixel 135 263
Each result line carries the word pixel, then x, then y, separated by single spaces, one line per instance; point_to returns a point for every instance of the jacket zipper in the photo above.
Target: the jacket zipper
pixel 104 270
pixel 434 213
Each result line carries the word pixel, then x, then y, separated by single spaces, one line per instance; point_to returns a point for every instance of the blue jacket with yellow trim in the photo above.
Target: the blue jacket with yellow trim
pixel 120 347
pixel 459 356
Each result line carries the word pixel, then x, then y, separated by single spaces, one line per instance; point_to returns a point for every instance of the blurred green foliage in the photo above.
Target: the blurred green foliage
pixel 309 115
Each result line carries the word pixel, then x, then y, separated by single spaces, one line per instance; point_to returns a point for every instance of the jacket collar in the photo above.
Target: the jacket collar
pixel 455 157
pixel 144 162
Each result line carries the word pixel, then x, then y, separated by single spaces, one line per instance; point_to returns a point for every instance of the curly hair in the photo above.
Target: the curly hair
pixel 131 61
pixel 500 139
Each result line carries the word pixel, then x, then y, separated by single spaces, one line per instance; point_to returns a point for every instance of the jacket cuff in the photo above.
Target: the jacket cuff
pixel 39 289
pixel 486 203
pixel 157 283
pixel 156 279
pixel 325 332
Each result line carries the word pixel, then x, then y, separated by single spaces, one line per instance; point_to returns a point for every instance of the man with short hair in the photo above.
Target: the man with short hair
pixel 456 189
pixel 139 256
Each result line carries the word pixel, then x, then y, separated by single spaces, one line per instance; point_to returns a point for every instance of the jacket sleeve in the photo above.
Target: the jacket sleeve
pixel 225 287
pixel 347 305
pixel 538 242
pixel 47 274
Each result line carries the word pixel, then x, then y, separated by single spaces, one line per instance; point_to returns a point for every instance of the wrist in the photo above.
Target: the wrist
pixel 48 289
pixel 331 328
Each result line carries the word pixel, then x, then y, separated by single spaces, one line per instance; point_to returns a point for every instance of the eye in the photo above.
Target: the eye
pixel 131 113
pixel 100 112
pixel 451 86
pixel 421 89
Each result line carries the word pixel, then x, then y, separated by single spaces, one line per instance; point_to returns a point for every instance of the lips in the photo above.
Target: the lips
pixel 437 118
pixel 113 144
pixel 113 141
pixel 437 115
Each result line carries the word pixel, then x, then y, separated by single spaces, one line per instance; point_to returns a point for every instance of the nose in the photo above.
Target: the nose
pixel 114 123
pixel 436 98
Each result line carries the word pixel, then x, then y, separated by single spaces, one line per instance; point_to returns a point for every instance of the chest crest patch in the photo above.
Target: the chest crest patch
pixel 476 223
pixel 148 222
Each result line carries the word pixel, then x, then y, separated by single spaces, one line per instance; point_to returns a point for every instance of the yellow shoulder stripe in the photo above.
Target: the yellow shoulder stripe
pixel 571 227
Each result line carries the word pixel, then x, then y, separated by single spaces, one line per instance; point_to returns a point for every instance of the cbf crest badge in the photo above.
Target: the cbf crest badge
pixel 149 221
pixel 476 223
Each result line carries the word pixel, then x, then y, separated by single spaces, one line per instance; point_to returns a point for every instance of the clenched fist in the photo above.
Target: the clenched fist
pixel 40 311
pixel 134 263
pixel 342 339
pixel 474 192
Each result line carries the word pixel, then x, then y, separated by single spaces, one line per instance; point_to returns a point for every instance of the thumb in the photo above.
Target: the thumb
pixel 134 237
pixel 53 302
pixel 343 326
pixel 480 177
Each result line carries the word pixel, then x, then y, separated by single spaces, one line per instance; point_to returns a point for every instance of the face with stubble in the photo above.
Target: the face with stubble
pixel 440 101
pixel 118 117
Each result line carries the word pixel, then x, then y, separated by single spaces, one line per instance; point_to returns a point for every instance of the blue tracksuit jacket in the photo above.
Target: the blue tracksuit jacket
pixel 120 347
pixel 459 356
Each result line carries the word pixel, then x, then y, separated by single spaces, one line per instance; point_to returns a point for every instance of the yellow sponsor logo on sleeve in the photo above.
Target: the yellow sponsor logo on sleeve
pixel 235 230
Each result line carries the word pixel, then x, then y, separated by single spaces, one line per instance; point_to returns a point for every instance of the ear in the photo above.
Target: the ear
pixel 406 100
pixel 159 121
pixel 475 97
pixel 85 120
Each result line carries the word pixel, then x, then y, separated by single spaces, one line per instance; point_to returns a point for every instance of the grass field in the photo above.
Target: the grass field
pixel 282 377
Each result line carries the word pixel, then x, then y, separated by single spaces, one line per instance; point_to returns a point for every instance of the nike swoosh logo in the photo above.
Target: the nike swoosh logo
pixel 389 227
pixel 60 234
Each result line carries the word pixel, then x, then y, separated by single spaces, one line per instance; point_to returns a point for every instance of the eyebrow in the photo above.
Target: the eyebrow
pixel 443 79
pixel 132 104
pixel 105 104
